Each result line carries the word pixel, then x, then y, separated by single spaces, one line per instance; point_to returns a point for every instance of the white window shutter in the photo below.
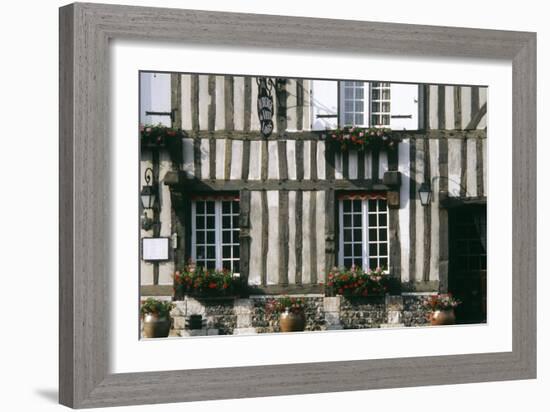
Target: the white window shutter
pixel 324 104
pixel 404 107
pixel 155 96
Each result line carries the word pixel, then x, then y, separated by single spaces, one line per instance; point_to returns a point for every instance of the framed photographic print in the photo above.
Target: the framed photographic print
pixel 306 193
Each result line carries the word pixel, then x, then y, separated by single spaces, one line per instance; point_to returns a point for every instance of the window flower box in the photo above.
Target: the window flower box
pixel 358 138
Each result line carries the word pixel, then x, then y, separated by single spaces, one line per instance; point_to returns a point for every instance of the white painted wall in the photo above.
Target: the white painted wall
pixel 324 101
pixel 155 96
pixel 404 102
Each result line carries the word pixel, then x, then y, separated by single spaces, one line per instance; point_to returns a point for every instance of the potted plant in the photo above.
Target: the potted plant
pixel 441 308
pixel 155 315
pixel 291 313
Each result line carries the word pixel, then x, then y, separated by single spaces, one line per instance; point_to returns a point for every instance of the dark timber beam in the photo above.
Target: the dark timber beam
pixel 178 180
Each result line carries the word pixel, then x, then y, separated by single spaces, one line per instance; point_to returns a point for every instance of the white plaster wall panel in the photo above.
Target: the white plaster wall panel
pixel 419 210
pixel 449 108
pixel 220 103
pixel 404 211
pixel 434 215
pixel 188 157
pixel 255 267
pixel 205 158
pixel 454 167
pixel 466 105
pixel 321 161
pixel 433 103
pixel 204 102
pixel 482 100
pixel 368 164
pixel 291 105
pixel 291 158
pixel 146 273
pixel 291 237
pixel 255 165
pixel 307 160
pixel 220 158
pixel 186 102
pixel 320 221
pixel 273 237
pixel 307 105
pixel 273 160
pixel 306 245
pixel 238 102
pixel 338 166
pixel 471 169
pixel 254 121
pixel 236 159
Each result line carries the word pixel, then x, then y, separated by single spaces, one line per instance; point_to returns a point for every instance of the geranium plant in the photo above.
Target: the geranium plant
pixel 359 138
pixel 357 282
pixel 444 301
pixel 193 280
pixel 285 304
pixel 156 307
pixel 159 134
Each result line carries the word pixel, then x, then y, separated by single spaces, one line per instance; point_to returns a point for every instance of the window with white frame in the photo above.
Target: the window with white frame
pixel 366 104
pixel 353 103
pixel 380 114
pixel 363 231
pixel 215 232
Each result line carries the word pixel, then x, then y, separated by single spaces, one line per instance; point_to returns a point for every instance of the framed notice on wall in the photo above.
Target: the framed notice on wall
pixel 154 248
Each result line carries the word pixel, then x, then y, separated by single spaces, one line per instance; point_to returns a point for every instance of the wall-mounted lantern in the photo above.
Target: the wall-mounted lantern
pixel 425 193
pixel 148 198
pixel 265 105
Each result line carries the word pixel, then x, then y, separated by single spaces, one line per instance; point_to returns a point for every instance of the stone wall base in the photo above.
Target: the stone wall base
pixel 237 316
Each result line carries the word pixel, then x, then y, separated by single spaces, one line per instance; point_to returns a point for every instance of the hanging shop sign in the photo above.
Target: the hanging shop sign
pixel 265 105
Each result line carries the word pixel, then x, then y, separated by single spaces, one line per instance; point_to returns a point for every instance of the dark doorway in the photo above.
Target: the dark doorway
pixel 468 261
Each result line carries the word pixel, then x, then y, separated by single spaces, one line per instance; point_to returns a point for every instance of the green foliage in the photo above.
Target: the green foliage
pixel 359 138
pixel 160 135
pixel 285 303
pixel 356 282
pixel 441 302
pixel 197 281
pixel 156 307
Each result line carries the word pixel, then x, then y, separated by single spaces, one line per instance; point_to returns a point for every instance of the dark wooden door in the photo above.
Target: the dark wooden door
pixel 468 261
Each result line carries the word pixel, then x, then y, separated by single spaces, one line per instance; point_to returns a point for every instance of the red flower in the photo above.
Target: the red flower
pixel 212 285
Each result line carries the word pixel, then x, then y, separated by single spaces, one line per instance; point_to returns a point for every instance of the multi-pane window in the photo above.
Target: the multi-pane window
pixel 215 233
pixel 380 104
pixel 362 100
pixel 353 100
pixel 363 222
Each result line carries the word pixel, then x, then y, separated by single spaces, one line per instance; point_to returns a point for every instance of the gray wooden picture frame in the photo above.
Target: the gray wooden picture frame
pixel 85 31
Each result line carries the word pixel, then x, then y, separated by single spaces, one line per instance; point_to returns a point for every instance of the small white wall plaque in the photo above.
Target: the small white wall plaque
pixel 154 248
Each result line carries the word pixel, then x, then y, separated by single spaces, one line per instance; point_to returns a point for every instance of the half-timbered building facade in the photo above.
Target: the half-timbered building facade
pixel 282 210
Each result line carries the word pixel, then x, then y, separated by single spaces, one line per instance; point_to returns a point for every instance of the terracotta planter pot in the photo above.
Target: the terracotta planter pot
pixel 292 322
pixel 443 317
pixel 155 327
